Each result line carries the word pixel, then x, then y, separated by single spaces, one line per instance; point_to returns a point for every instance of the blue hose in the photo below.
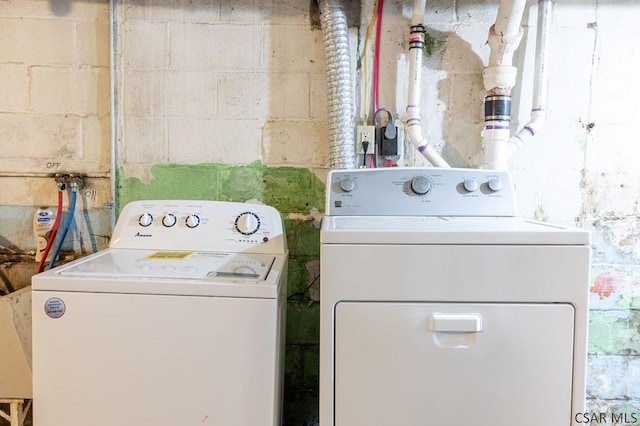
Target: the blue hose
pixel 67 225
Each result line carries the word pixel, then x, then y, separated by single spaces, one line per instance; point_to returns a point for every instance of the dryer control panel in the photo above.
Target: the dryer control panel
pixel 199 225
pixel 418 191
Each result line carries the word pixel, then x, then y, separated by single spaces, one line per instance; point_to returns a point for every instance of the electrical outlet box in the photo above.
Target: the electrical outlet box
pixel 388 137
pixel 368 134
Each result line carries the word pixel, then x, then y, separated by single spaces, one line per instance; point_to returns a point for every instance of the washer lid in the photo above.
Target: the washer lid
pixel 168 272
pixel 446 230
pixel 116 264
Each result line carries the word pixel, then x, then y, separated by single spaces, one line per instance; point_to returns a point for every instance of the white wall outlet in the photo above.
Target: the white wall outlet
pixel 366 133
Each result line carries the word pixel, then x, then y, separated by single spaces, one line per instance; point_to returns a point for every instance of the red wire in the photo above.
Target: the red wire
pixel 54 231
pixel 376 55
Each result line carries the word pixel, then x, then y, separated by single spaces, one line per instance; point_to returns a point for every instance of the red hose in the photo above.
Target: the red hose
pixel 376 55
pixel 52 237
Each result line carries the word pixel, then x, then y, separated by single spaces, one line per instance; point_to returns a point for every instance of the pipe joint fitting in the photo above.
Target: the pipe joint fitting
pixel 416 37
pixel 497 108
pixel 413 112
pixel 499 76
pixel 504 43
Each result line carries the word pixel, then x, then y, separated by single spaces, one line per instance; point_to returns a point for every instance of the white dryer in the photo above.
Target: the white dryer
pixel 179 322
pixel 440 307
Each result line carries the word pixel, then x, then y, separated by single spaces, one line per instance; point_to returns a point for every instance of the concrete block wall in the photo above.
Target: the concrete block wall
pixel 226 100
pixel 219 82
pixel 54 117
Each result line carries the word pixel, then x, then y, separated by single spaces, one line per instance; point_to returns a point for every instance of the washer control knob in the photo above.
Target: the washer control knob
pixel 145 219
pixel 169 220
pixel 420 185
pixel 192 221
pixel 470 184
pixel 348 185
pixel 247 223
pixel 495 184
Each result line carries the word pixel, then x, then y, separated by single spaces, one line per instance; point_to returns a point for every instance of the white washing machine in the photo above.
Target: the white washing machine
pixel 440 307
pixel 179 322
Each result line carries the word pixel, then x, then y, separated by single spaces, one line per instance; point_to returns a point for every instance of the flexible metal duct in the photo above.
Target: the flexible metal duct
pixel 340 94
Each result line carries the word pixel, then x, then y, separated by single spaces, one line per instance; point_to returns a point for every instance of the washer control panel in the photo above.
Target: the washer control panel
pixel 199 225
pixel 417 191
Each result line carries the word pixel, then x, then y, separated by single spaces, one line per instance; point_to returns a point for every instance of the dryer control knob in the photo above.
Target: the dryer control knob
pixel 420 185
pixel 145 219
pixel 169 220
pixel 470 184
pixel 495 184
pixel 348 185
pixel 247 223
pixel 192 221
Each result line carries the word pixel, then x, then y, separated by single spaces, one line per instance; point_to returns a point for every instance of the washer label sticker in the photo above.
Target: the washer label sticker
pixel 54 307
pixel 170 255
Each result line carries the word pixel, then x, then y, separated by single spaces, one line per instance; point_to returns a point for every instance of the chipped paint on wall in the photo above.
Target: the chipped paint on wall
pixel 614 332
pixel 288 189
pixel 604 285
pixel 614 339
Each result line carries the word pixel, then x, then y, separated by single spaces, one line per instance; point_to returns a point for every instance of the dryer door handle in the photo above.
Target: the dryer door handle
pixel 454 322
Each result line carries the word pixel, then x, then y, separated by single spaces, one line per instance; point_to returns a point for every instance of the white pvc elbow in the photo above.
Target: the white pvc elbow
pixel 528 131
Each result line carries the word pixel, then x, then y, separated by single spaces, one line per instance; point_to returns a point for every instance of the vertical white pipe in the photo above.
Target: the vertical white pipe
pixel 538 110
pixel 415 76
pixel 506 32
pixel 413 125
pixel 417 14
pixel 545 13
pixel 499 78
pixel 509 15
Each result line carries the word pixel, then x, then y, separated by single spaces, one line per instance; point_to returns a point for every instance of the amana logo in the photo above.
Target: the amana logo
pixel 142 235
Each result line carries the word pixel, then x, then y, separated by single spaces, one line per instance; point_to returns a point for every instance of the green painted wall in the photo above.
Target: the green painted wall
pixel 292 191
pixel 288 189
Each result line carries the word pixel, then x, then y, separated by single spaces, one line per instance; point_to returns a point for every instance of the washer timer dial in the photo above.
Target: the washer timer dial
pixel 247 223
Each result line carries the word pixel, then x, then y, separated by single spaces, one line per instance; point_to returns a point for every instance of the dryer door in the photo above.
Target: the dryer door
pixel 453 364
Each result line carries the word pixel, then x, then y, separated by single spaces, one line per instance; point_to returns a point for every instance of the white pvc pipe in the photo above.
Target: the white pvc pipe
pixel 499 77
pixel 414 127
pixel 417 14
pixel 415 79
pixel 508 19
pixel 496 147
pixel 504 38
pixel 538 113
